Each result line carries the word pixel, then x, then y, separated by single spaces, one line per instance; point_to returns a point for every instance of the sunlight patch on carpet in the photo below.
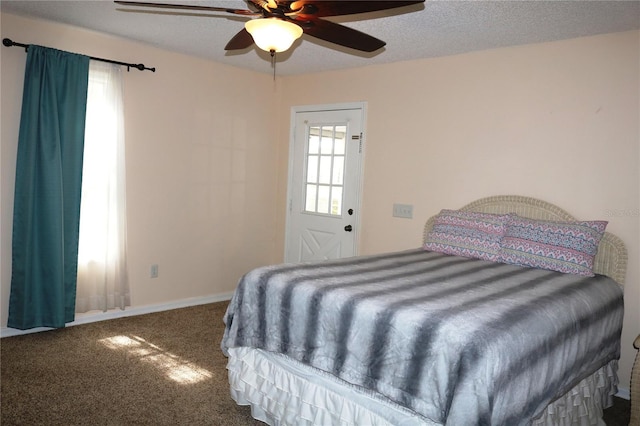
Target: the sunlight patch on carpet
pixel 173 366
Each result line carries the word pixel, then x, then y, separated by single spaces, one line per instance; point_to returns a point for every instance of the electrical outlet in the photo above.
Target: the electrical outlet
pixel 403 210
pixel 154 271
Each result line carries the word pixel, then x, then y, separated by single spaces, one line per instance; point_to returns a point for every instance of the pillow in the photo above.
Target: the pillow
pixel 568 247
pixel 468 234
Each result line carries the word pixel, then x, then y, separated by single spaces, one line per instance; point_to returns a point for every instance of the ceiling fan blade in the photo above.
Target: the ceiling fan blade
pixel 187 7
pixel 346 7
pixel 264 4
pixel 240 41
pixel 342 35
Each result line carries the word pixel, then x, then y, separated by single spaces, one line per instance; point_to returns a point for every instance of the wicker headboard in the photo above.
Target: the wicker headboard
pixel 611 259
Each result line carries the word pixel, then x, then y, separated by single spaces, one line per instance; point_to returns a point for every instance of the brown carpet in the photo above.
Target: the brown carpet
pixel 159 369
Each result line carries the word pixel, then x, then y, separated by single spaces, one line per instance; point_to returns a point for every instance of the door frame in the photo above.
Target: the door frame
pixel 362 106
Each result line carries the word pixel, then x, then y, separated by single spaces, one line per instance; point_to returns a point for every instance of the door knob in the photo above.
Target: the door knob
pixel 348 228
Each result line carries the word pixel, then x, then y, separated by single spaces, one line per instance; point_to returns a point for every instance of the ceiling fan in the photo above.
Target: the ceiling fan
pixel 286 19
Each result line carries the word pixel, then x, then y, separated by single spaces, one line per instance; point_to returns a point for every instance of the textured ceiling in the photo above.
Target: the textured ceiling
pixel 436 28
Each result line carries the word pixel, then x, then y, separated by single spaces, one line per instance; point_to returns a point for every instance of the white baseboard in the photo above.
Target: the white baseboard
pixel 623 393
pixel 96 316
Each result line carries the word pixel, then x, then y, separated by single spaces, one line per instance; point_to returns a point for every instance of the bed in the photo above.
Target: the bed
pixel 432 337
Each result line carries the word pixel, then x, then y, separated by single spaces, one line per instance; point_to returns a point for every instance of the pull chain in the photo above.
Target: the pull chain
pixel 273 63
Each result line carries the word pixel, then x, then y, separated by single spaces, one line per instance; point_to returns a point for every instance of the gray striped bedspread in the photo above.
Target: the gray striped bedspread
pixel 459 341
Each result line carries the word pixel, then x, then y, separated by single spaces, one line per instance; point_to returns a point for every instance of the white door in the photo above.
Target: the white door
pixel 324 184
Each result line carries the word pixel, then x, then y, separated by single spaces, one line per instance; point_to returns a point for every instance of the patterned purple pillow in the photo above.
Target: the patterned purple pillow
pixel 568 247
pixel 467 234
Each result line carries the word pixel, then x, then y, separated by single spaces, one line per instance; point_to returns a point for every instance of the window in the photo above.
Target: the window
pixel 325 169
pixel 102 269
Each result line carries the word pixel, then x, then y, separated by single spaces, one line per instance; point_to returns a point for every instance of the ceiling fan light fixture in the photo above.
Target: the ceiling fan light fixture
pixel 273 34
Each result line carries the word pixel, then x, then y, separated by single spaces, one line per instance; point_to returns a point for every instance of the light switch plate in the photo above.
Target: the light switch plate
pixel 403 210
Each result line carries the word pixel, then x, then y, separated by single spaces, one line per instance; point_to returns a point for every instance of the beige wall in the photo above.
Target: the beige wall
pixel 557 121
pixel 201 163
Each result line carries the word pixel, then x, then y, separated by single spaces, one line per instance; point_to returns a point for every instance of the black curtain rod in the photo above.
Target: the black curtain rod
pixel 8 42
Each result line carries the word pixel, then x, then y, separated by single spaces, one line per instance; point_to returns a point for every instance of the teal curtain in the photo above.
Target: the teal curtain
pixel 46 209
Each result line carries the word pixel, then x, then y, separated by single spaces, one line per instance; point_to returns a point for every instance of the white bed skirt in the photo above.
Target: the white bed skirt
pixel 282 391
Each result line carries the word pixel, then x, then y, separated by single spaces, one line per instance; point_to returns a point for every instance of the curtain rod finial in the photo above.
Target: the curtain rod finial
pixel 7 42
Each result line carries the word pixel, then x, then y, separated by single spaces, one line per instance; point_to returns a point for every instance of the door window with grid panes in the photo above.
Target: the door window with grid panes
pixel 325 169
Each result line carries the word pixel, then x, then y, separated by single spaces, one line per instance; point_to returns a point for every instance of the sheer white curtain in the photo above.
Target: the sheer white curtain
pixel 102 266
